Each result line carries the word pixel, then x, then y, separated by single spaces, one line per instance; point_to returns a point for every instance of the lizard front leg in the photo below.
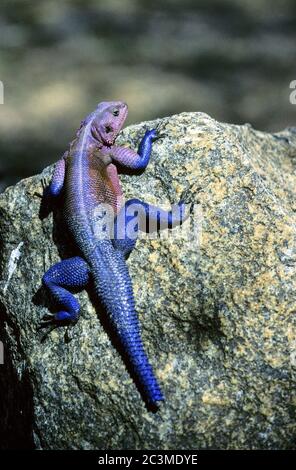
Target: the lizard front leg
pixel 129 160
pixel 57 180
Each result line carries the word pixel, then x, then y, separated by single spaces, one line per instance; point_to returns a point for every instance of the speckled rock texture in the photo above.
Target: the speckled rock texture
pixel 216 303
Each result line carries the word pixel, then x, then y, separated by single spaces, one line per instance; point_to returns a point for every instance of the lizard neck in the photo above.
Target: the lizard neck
pixel 84 143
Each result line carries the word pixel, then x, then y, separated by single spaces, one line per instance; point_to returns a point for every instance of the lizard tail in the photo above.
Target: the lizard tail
pixel 114 288
pixel 143 369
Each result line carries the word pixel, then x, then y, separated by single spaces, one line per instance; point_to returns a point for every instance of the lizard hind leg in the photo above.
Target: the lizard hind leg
pixel 69 273
pixel 137 215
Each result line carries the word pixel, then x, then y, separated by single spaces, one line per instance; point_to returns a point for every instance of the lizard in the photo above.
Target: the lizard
pixel 87 176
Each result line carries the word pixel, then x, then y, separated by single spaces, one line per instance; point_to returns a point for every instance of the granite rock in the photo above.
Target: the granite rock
pixel 216 300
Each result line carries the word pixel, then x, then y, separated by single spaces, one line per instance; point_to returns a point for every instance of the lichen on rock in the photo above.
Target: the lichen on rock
pixel 217 310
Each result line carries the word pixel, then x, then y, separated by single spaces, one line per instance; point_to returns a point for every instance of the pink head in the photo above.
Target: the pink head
pixel 107 121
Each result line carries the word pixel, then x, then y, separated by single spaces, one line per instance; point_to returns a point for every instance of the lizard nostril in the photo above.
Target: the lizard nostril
pixel 108 129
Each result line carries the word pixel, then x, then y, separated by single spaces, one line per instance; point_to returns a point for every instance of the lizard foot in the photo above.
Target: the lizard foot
pixel 60 318
pixel 51 324
pixel 186 200
pixel 43 186
pixel 44 182
pixel 156 134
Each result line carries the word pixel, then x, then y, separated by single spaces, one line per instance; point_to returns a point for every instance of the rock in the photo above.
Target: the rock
pixel 216 301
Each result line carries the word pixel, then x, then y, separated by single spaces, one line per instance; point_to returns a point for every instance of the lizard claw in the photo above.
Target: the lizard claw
pixel 158 134
pixel 47 319
pixel 50 328
pixel 59 319
pixel 154 134
pixel 186 199
pixel 50 325
pixel 44 186
pixel 43 182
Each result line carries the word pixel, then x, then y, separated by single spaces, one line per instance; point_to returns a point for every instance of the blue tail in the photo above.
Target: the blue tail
pixel 114 288
pixel 135 350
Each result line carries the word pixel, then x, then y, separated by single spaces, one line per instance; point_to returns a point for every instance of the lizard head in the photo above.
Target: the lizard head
pixel 107 121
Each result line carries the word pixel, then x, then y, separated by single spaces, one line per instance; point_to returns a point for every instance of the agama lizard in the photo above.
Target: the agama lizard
pixel 87 174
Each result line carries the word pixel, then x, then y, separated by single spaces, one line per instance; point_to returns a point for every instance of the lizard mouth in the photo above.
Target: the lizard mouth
pixel 97 136
pixel 107 143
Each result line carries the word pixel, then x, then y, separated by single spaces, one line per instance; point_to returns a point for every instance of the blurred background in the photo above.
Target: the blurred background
pixel 233 59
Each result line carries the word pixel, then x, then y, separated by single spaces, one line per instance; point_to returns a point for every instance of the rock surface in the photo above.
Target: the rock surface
pixel 217 308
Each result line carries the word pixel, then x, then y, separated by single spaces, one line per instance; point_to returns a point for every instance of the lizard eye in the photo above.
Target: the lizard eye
pixel 108 129
pixel 115 112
